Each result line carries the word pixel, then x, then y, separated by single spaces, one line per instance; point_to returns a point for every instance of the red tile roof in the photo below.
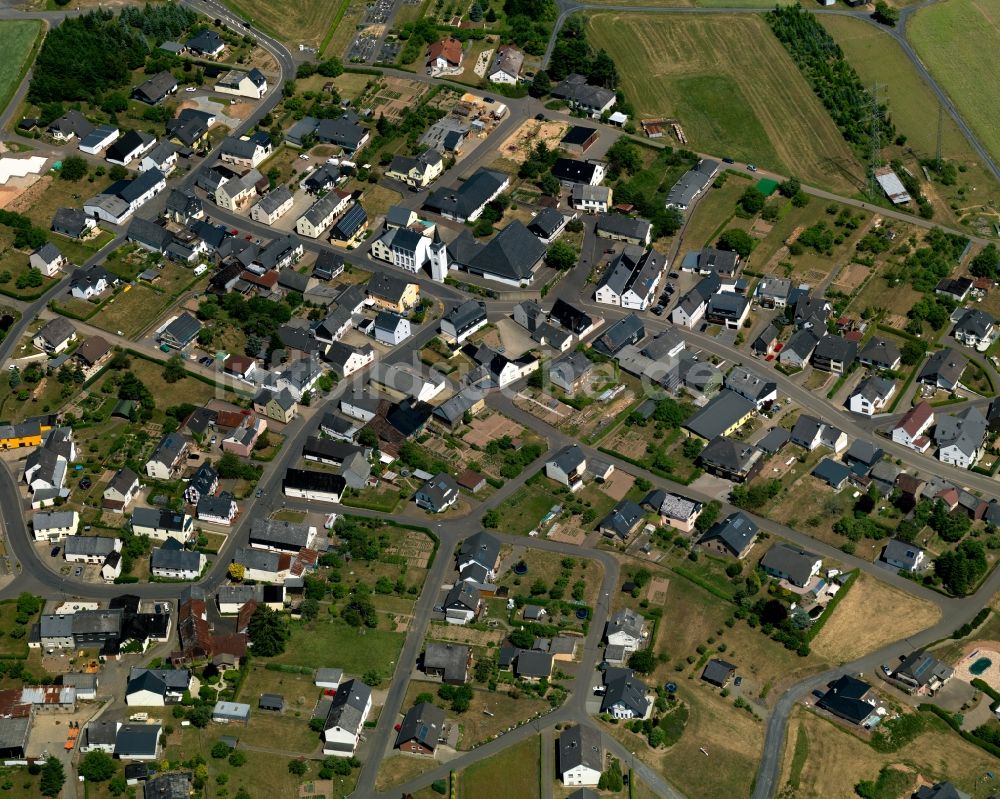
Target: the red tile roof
pixel 450 49
pixel 916 418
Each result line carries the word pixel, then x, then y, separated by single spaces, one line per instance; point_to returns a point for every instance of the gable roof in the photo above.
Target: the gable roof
pixel 347 710
pixel 736 532
pixel 470 196
pixel 512 254
pixel 790 560
pixel 580 746
pixel 720 414
pixel 423 723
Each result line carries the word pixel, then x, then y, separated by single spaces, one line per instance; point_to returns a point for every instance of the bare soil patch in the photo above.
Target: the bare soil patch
pixel 521 142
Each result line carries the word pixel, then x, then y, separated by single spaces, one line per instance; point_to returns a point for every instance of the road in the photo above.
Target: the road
pixel 35 574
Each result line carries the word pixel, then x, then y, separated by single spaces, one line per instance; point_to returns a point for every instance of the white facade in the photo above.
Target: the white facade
pixel 55 526
pixel 398 334
pixel 581 775
pixel 181 574
pixel 336 739
pixel 869 406
pixel 269 217
pixel 97 146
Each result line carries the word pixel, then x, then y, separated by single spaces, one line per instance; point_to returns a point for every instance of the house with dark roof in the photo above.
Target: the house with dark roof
pixel 581 755
pixel 73 222
pixel 880 353
pixel 832 473
pixel 690 309
pixel 511 257
pixel 437 494
pixel 506 67
pixel 872 395
pixel 567 466
pixel 850 699
pixel 462 603
pixel 179 332
pixel 903 555
pixel 923 672
pixel 463 320
pixel 790 563
pixel 940 790
pixel 943 369
pixel 622 520
pixel 631 279
pixel 733 536
pixel 619 227
pixel 629 330
pixel 206 43
pixel 346 718
pixel 864 453
pixel 138 742
pixel 466 202
pixel 156 89
pixel 960 436
pixel 726 413
pixel 718 672
pixel 732 459
pixel 625 695
pixel 691 184
pixel 799 348
pixel 421 729
pixel 570 171
pixel 834 354
pixel 584 96
pixel 750 385
pixel 548 224
pixel 450 662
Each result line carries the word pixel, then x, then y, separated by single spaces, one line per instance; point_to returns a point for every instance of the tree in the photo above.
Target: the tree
pixel 913 352
pixel 789 188
pixel 692 448
pixel 220 750
pixel 885 14
pixel 491 519
pixel 73 168
pixel 237 759
pixel 476 12
pixel 522 638
pixel 612 779
pixel 237 571
pixel 623 156
pixel 540 84
pixel 97 767
pixel 331 68
pixel 985 264
pixel 200 715
pixel 118 172
pixel 297 767
pixel 118 785
pixel 642 661
pixel 736 240
pixel 752 200
pixel 53 777
pixel 549 184
pixel 268 632
pixel 560 255
pixel 309 609
pixel 173 369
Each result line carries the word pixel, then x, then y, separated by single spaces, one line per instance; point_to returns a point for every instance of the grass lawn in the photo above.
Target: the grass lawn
pixel 11 646
pixel 130 312
pixel 303 22
pixel 18 37
pixel 547 567
pixel 836 760
pixel 328 642
pixel 955 40
pixel 513 772
pixel 378 199
pixel 733 87
pixel 712 212
pixel 188 389
pixel 521 512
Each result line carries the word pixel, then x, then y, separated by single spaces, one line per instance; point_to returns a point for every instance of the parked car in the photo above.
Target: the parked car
pixel 54 552
pixel 751 167
pixel 728 161
pixel 659 309
pixel 78 571
pixel 190 89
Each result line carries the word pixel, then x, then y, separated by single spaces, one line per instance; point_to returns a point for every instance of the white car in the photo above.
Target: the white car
pixel 303 157
pixel 190 89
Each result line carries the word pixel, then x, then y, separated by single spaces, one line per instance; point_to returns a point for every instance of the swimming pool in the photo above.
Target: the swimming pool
pixel 980 666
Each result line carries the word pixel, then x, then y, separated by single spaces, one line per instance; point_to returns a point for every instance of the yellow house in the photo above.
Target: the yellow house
pixel 25 434
pixel 390 293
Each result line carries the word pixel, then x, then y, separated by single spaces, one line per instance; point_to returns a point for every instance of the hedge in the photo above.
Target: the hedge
pixel 969 626
pixel 987 689
pixel 694 578
pixel 993 749
pixel 832 605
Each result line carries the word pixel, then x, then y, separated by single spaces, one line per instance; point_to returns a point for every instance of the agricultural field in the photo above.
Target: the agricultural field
pixel 877 57
pixel 955 40
pixel 824 759
pixel 18 38
pixel 733 88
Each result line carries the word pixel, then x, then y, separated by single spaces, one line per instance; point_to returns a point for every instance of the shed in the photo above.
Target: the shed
pixel 226 712
pixel 272 702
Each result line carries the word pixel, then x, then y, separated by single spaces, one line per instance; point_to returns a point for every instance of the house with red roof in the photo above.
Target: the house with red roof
pixel 912 428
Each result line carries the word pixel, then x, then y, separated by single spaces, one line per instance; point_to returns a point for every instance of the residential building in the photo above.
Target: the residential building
pixel 462 603
pixel 462 321
pixel 162 156
pixel 728 309
pixel 691 184
pixel 321 214
pixel 123 488
pixel 626 331
pixel 391 328
pixel 308 484
pixel 872 395
pixel 417 172
pixel 834 354
pixel 943 369
pixel 391 293
pixel 444 56
pixel 581 755
pixel 450 662
pixel 626 629
pixel 73 222
pixel 622 520
pixel 466 203
pixel 799 348
pixel 48 260
pixel 438 493
pixel 548 224
pixel 162 524
pixel 567 466
pixel 169 455
pixel 810 432
pixel 733 536
pixel 134 144
pixel 850 699
pixel 346 718
pixel 773 292
pixel 752 386
pixel 725 413
pixel 250 84
pixel 903 555
pixel 421 730
pixel 690 308
pixel 347 231
pixel 173 561
pixel 923 672
pixel 246 153
pixel 880 353
pixel 625 695
pixel 221 509
pixel 570 171
pixel 911 430
pixel 149 687
pixel 55 526
pixel 618 227
pixel 732 459
pixel 55 336
pixel 237 194
pixel 99 139
pixel 272 206
pixel 975 328
pixel 506 67
pixel 959 437
pixel 206 43
pixel 591 199
pixel 138 742
pixel 790 563
pixel 279 536
pixel 631 279
pixel 718 672
pixel 90 549
pixel 578 94
pixel 279 406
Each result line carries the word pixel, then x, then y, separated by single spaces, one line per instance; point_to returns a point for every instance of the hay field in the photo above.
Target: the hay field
pixel 957 41
pixel 306 21
pixel 18 37
pixel 733 88
pixel 859 624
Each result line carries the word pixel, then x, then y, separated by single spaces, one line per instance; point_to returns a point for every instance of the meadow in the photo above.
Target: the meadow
pixel 732 87
pixel 18 37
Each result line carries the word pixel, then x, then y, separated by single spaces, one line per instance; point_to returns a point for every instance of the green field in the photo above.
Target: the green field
pixel 327 642
pixel 513 772
pixel 957 41
pixel 733 89
pixel 306 21
pixel 912 103
pixel 18 37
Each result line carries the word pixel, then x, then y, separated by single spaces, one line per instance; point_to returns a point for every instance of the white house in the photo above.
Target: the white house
pixel 162 524
pixel 567 466
pixel 314 222
pixel 156 687
pixel 92 549
pixel 872 395
pixel 581 756
pixel 55 336
pixel 272 206
pixel 48 260
pixel 390 328
pixel 250 84
pixel 346 718
pixel 174 562
pixel 911 430
pixel 626 629
pixel 506 67
pixel 55 525
pixel 99 139
pixel 163 157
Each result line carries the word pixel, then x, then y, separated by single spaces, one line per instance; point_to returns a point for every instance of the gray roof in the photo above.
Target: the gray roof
pixel 329 675
pixel 512 254
pixel 569 458
pixel 72 221
pixel 464 316
pixel 462 595
pixel 874 387
pixel 576 89
pixel 730 454
pixel 792 561
pixel 802 342
pixel 628 330
pixel 453 659
pixel 220 505
pixel 471 195
pixel 775 439
pixel 718 261
pixel 101 733
pixel 629 692
pixel 322 210
pixel 423 723
pixel 580 746
pixel 831 472
pixel 749 384
pixel 183 329
pixel 173 785
pixel 136 739
pixel 717 671
pixel 279 533
pixel 620 225
pixel 943 368
pixel 56 331
pixel 737 531
pixel 533 664
pixel 274 199
pixel 836 348
pixel 689 186
pixel 721 413
pixel 975 322
pixel 880 352
pixel 965 430
pixel 94 546
pixel 348 706
pixel 941 790
pixel 627 621
pixel 623 518
pixel 483 548
pixel 48 252
pixel 901 552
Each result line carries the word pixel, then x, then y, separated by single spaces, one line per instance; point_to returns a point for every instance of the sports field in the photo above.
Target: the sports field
pixel 732 87
pixel 305 21
pixel 18 37
pixel 958 42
